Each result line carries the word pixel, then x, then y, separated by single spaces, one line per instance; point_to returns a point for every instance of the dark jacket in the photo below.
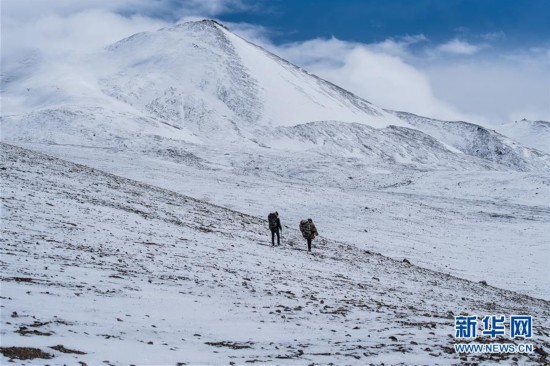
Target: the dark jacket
pixel 279 227
pixel 277 221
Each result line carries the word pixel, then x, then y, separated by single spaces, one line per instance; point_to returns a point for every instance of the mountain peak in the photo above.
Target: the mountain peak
pixel 198 74
pixel 200 25
pixel 213 23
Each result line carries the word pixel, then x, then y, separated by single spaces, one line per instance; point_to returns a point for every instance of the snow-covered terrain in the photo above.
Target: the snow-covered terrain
pixel 195 111
pixel 479 225
pixel 474 140
pixel 535 134
pixel 124 272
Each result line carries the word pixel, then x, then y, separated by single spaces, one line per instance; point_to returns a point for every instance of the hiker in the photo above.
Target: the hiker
pixel 309 231
pixel 274 226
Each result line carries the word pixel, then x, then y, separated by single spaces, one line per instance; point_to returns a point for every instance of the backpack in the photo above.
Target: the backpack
pixel 305 229
pixel 272 219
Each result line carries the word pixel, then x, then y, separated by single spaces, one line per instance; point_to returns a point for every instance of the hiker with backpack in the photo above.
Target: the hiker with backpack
pixel 309 231
pixel 274 226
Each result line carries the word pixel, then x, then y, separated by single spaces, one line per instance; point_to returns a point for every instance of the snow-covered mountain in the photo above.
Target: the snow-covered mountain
pixel 535 134
pixel 221 76
pixel 474 140
pixel 195 111
pixel 198 82
pixel 200 78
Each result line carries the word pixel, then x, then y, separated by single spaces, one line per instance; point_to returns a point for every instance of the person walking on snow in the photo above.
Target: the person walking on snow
pixel 274 226
pixel 309 231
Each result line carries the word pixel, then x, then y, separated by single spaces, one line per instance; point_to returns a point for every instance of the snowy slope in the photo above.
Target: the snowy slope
pixel 125 272
pixel 393 145
pixel 534 134
pixel 479 225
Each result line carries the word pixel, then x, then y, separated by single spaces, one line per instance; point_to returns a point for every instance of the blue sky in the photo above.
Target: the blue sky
pixel 521 23
pixel 484 61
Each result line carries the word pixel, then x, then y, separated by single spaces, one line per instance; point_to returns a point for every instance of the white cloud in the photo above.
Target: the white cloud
pixel 494 36
pixel 252 33
pixel 501 88
pixel 459 47
pixel 85 30
pixel 400 46
pixel 386 80
pixel 57 32
pixel 61 27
